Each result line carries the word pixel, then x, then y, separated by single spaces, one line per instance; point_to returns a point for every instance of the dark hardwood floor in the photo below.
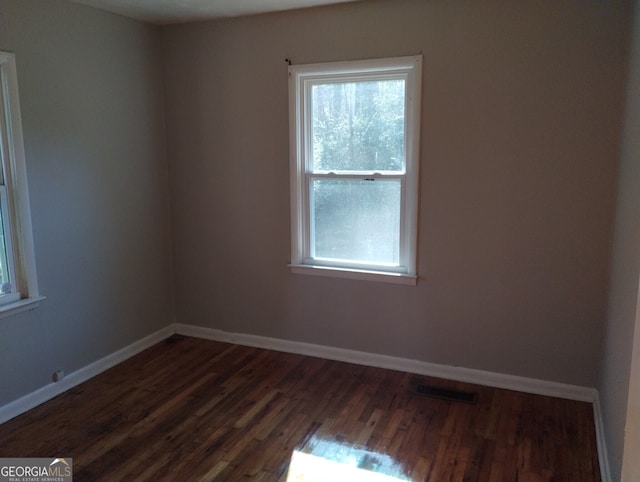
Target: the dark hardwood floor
pixel 189 409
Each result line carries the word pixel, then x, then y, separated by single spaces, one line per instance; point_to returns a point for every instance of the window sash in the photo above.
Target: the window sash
pixel 7 254
pixel 6 244
pixel 308 120
pixel 310 256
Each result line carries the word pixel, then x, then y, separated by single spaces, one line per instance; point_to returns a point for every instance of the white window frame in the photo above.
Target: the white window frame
pixel 301 78
pixel 14 197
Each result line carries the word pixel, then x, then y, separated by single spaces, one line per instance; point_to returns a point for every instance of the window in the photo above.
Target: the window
pixel 18 285
pixel 354 168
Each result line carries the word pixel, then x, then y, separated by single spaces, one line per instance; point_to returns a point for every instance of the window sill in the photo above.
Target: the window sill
pixel 20 306
pixel 349 273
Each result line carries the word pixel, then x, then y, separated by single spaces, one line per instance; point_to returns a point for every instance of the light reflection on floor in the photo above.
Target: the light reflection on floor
pixel 323 460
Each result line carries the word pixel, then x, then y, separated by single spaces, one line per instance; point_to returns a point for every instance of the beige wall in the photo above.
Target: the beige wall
pixel 90 89
pixel 522 107
pixel 622 318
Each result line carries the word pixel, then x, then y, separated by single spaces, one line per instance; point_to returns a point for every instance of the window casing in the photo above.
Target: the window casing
pixel 354 146
pixel 18 283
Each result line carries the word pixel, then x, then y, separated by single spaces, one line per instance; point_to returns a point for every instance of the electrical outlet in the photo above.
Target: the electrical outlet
pixel 58 375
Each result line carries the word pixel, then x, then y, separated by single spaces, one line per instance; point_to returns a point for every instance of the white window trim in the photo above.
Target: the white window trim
pixel 19 211
pixel 298 76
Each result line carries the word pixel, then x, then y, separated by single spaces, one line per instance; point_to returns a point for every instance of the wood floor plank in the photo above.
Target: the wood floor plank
pixel 189 410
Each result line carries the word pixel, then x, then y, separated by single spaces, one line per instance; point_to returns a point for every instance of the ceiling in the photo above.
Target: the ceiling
pixel 164 12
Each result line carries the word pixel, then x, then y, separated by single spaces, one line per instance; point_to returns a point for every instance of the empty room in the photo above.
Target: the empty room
pixel 367 240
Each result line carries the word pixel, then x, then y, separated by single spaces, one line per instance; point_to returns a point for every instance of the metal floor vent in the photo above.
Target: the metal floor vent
pixel 445 394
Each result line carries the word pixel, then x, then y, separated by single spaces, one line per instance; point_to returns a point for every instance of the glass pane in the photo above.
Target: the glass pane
pixel 358 126
pixel 5 277
pixel 356 220
pixel 3 141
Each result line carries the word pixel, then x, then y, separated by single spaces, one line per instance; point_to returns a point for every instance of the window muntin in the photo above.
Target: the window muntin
pixel 354 144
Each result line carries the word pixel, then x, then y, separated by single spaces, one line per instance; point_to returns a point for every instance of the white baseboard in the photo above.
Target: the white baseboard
pixel 603 457
pixel 33 399
pixel 479 377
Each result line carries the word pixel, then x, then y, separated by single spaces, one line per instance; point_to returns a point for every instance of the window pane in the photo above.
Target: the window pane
pixel 358 126
pixel 5 276
pixel 356 220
